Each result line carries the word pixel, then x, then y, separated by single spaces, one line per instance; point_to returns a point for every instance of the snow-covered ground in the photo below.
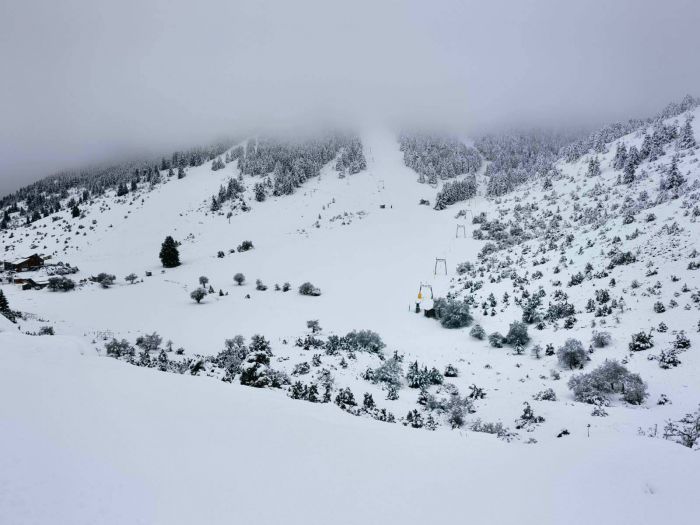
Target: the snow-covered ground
pixel 92 440
pixel 98 440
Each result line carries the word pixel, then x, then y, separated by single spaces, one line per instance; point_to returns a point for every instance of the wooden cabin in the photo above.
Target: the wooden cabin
pixel 24 264
pixel 30 284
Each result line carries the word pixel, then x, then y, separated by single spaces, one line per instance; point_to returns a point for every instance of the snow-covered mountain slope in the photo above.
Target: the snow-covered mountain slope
pixel 368 244
pixel 368 260
pixel 94 440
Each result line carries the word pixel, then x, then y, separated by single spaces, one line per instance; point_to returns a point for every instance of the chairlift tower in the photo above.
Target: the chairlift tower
pixel 439 261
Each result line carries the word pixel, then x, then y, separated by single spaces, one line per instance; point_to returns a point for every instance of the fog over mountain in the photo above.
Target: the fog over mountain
pixel 89 82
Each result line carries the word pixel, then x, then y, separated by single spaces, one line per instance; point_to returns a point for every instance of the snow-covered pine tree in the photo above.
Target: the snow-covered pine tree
pixel 455 191
pixel 593 167
pixel 169 255
pixel 647 144
pixel 5 307
pixel 674 180
pixel 687 138
pixel 259 190
pixel 620 156
pixel 631 164
pixel 599 145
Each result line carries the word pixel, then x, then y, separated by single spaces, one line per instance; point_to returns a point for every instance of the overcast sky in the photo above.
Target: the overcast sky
pixel 87 81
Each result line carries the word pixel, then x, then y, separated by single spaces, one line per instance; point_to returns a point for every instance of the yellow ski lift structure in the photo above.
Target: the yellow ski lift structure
pixel 428 288
pixel 425 302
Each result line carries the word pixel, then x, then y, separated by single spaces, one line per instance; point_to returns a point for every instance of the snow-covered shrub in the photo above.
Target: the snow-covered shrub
pixel 685 431
pixel 641 341
pixel 569 322
pixel 452 313
pixel 363 341
pixel 103 279
pixel 545 395
pixel 119 349
pixel 588 388
pixel 536 351
pixel 611 377
pixel 245 246
pixel 260 286
pixel 413 419
pixel 497 340
pixel 464 267
pixel 619 258
pixel 239 278
pixel 334 344
pixel 492 428
pixel 345 399
pixel 682 342
pixel 559 310
pixel 301 369
pixel 601 339
pixel 457 408
pixel 309 342
pixel 418 377
pixel 669 359
pixel 477 332
pixel 149 342
pixel 634 390
pixel 313 325
pixel 309 289
pixel 451 371
pixel 255 369
pixel 528 420
pixel 233 354
pixel 531 313
pixel 659 307
pixel 476 392
pixel 572 354
pixel 389 373
pixel 576 279
pixel 306 392
pixel 599 411
pixel 61 269
pixel 60 284
pixel 198 294
pixel 517 334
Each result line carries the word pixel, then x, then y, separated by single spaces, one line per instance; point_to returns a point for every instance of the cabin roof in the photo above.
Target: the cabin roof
pixel 23 259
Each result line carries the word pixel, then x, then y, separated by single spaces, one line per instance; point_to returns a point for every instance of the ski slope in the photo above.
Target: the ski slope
pixel 369 271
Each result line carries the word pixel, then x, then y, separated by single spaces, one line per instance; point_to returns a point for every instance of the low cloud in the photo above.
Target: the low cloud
pixel 88 82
